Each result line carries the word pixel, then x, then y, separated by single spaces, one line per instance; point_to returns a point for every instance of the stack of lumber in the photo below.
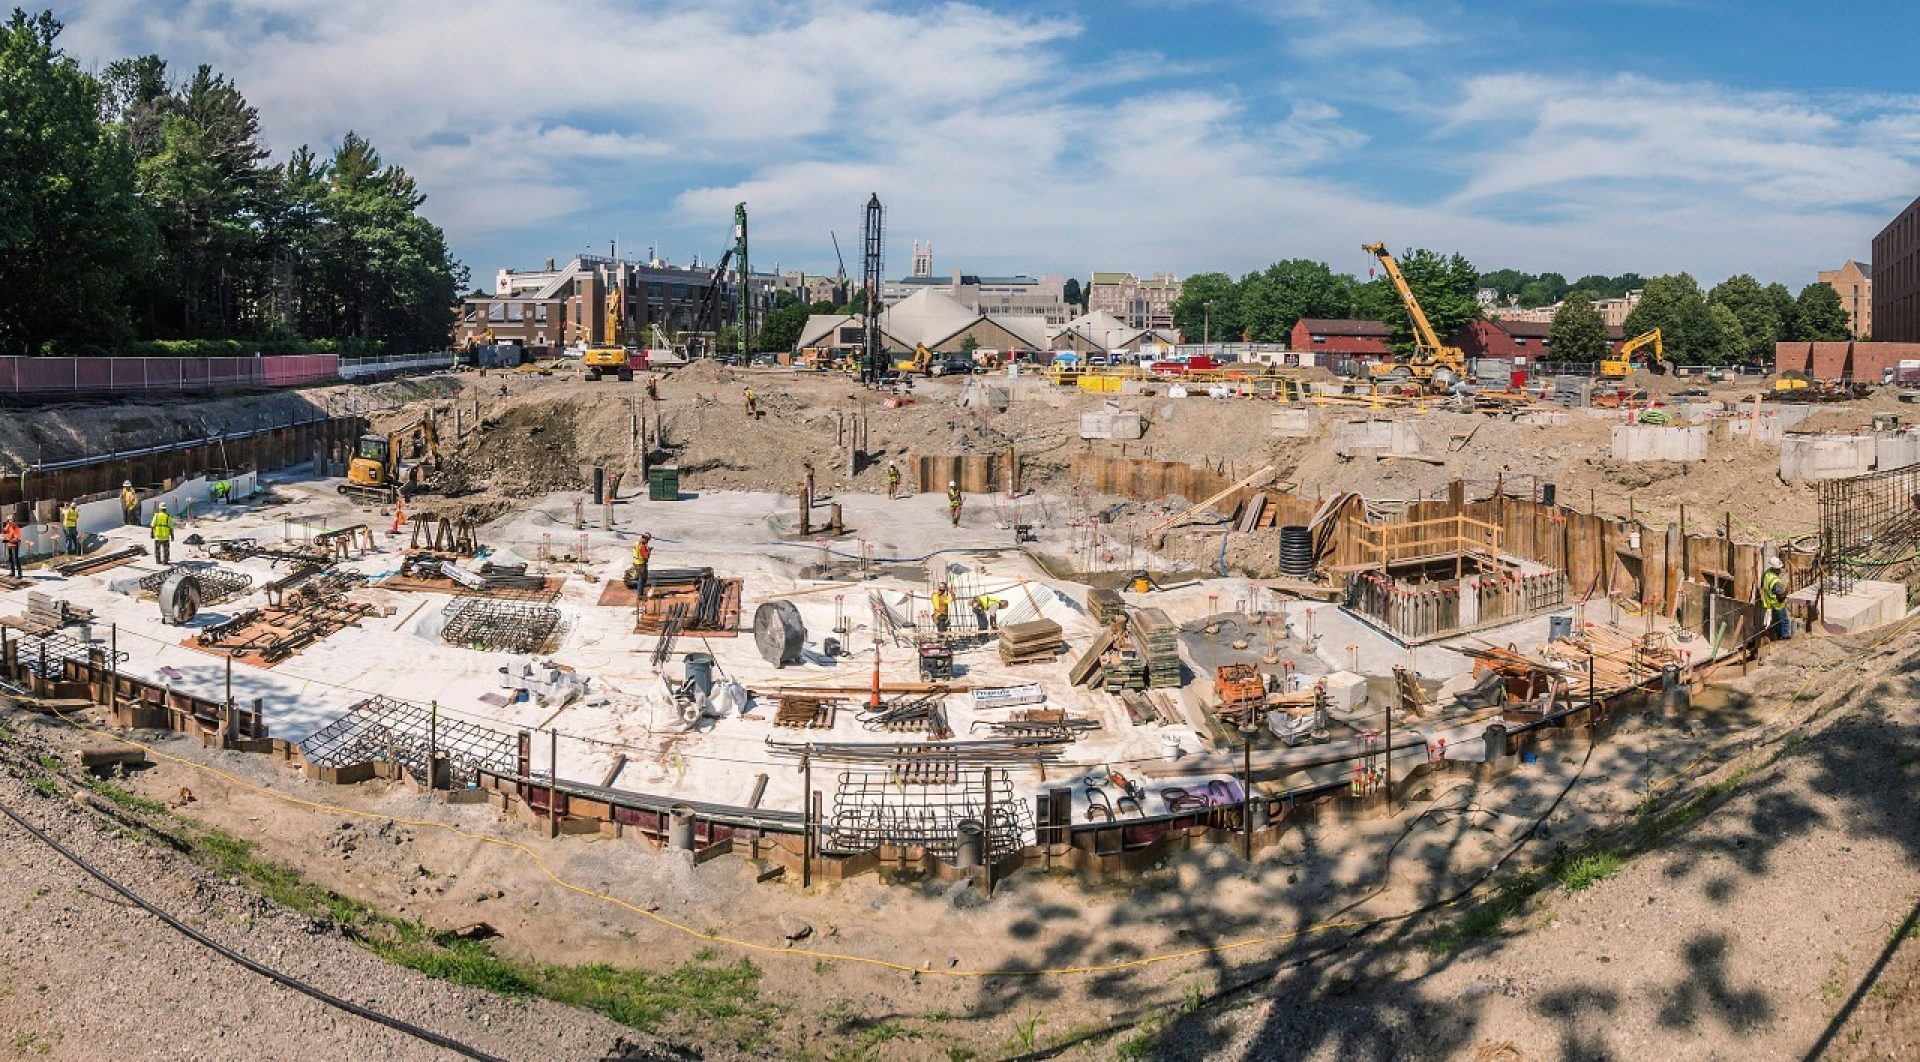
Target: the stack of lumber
pixel 1619 660
pixel 45 615
pixel 1030 643
pixel 1158 639
pixel 802 712
pixel 1123 670
pixel 1105 605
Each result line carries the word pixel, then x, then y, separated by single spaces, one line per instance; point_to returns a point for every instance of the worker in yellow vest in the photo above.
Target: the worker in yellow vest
pixel 753 409
pixel 1773 598
pixel 953 502
pixel 986 611
pixel 162 529
pixel 942 608
pixel 893 480
pixel 70 526
pixel 129 502
pixel 642 556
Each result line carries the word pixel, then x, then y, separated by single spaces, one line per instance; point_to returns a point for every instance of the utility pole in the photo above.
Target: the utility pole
pixel 743 298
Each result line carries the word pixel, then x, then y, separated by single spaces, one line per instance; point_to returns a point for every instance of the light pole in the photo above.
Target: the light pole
pixel 1206 327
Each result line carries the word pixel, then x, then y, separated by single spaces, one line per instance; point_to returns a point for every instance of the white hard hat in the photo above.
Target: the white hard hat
pixel 953 483
pixel 1777 564
pixel 162 507
pixel 126 483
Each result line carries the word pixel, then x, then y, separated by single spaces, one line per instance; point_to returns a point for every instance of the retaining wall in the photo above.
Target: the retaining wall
pixel 1660 442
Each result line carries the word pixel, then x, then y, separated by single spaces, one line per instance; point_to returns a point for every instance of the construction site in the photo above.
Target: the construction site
pixel 1138 684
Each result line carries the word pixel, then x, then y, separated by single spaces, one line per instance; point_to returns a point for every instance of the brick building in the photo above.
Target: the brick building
pixel 1895 305
pixel 1516 339
pixel 1132 301
pixel 1854 362
pixel 546 310
pixel 1341 336
pixel 1855 289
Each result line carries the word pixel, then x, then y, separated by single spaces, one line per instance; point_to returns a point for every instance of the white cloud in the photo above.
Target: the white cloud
pixel 982 130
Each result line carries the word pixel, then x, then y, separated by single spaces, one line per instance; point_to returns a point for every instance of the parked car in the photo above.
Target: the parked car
pixel 1183 366
pixel 956 365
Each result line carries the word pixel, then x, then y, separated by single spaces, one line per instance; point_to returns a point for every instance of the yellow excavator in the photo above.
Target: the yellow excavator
pixel 610 357
pixel 1433 364
pixel 1620 366
pixel 917 363
pixel 401 458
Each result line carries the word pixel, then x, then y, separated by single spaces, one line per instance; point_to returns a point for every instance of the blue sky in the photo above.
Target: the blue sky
pixel 1647 135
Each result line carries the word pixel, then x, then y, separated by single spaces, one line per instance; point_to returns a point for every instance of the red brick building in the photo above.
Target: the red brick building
pixel 1516 339
pixel 1341 336
pixel 1896 278
pixel 1853 362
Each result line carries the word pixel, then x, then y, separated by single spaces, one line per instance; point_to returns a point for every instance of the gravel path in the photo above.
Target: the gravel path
pixel 85 975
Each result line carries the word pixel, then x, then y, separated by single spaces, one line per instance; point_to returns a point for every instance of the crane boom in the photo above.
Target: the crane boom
pixel 1423 334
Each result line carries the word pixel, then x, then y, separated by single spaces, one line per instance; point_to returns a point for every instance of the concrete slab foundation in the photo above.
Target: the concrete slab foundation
pixel 1868 605
pixel 1660 442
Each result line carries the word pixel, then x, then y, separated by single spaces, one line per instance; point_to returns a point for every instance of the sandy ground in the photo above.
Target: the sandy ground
pixel 1745 931
pixel 84 974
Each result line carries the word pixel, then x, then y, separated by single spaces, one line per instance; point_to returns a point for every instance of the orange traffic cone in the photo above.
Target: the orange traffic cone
pixel 399 516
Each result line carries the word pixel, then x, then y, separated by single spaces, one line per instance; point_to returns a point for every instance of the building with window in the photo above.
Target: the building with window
pixel 1043 298
pixel 1341 336
pixel 1896 279
pixel 1132 301
pixel 549 309
pixel 1855 289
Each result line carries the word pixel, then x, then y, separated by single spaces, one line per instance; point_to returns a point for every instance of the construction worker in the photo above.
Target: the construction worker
pixel 162 529
pixel 653 387
pixel 129 502
pixel 642 556
pixel 942 608
pixel 753 411
pixel 953 502
pixel 221 490
pixel 70 527
pixel 986 611
pixel 1773 597
pixel 893 480
pixel 808 467
pixel 10 535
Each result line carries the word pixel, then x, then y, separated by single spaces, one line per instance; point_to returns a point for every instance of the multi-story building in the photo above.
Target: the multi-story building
pixel 1044 297
pixel 549 309
pixel 1135 302
pixel 812 288
pixel 1855 289
pixel 1895 305
pixel 1612 311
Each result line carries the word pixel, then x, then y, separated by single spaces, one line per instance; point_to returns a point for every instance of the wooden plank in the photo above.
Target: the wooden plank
pixel 1264 472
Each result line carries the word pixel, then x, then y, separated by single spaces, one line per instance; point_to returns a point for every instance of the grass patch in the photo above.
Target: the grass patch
pixel 126 800
pixel 1485 918
pixel 44 785
pixel 720 995
pixel 1584 872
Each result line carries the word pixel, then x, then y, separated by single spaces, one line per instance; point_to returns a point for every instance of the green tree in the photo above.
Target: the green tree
pixel 1753 308
pixel 781 328
pixel 1208 297
pixel 1505 282
pixel 1675 305
pixel 72 233
pixel 1783 308
pixel 1447 287
pixel 1818 315
pixel 1071 294
pixel 1271 301
pixel 1729 338
pixel 1578 333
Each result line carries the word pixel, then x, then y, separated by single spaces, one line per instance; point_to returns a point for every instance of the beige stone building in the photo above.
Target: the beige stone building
pixel 1132 301
pixel 1855 289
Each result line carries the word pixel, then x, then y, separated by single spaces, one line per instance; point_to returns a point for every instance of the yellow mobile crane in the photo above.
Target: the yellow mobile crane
pixel 382 462
pixel 611 355
pixel 1434 364
pixel 1620 366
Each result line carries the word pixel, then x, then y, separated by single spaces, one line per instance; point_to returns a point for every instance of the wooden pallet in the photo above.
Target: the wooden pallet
pixel 805 713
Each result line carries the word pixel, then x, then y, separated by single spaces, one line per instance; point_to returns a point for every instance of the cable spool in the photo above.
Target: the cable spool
pixel 1296 552
pixel 179 596
pixel 778 633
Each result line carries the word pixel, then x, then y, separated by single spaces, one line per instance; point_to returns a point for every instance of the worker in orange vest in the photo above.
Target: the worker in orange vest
pixel 10 535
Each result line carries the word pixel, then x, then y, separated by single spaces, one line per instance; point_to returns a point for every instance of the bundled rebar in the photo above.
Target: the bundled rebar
pixel 499 626
pixel 216 585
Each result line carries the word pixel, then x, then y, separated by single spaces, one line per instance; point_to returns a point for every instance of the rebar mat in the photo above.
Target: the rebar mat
pixel 383 728
pixel 871 809
pixel 500 626
pixel 215 585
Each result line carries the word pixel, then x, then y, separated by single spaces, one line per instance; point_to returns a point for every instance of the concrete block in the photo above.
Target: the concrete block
pixel 1660 442
pixel 1346 690
pixel 1357 438
pixel 1546 418
pixel 1896 449
pixel 1291 423
pixel 1868 605
pixel 1111 424
pixel 1811 458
